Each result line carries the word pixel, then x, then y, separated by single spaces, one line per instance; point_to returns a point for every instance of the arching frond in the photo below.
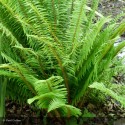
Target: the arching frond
pixel 86 47
pixel 10 25
pixel 110 92
pixel 52 95
pixel 64 109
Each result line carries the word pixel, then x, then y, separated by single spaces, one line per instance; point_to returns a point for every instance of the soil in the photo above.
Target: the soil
pixel 17 114
pixel 112 7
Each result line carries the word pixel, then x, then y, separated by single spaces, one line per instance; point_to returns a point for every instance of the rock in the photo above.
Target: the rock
pixel 120 122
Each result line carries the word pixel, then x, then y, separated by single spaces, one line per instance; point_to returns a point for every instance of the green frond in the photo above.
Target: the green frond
pixel 54 104
pixel 48 90
pixel 10 24
pixel 64 109
pixel 91 14
pixel 102 50
pixel 37 19
pixel 75 23
pixel 119 30
pixel 118 17
pixel 8 74
pixel 62 14
pixel 88 41
pixel 119 47
pixel 88 52
pixel 20 93
pixel 107 91
pixel 4 44
pixel 117 88
pixel 8 35
pixel 19 69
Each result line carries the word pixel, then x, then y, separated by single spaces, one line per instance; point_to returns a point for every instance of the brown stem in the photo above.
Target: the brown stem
pixel 55 111
pixel 63 72
pixel 22 77
pixel 72 6
pixel 40 63
pixel 54 13
pixel 27 83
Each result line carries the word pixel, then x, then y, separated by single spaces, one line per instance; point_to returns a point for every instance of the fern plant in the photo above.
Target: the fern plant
pixel 111 91
pixel 53 50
